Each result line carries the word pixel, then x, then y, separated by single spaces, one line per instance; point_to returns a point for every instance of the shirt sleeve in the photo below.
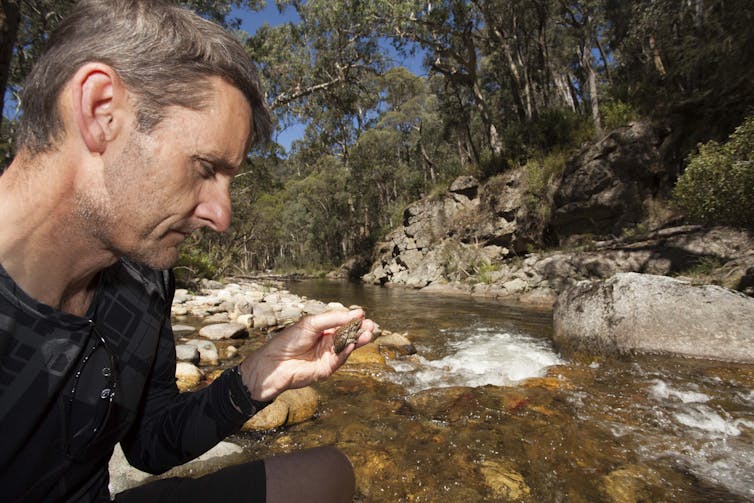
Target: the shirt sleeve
pixel 172 427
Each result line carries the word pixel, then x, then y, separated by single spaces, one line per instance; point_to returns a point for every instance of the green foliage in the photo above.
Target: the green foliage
pixel 617 113
pixel 504 84
pixel 717 186
pixel 703 267
pixel 690 64
pixel 537 177
pixel 485 272
pixel 194 263
pixel 539 172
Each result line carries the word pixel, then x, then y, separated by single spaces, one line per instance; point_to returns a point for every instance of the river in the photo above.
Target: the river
pixel 487 410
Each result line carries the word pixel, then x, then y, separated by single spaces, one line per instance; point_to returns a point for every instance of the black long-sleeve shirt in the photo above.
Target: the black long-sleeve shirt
pixel 54 390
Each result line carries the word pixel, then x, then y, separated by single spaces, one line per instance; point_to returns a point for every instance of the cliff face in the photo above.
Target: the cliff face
pixel 482 237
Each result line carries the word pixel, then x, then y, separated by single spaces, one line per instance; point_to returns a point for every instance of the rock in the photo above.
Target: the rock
pixel 123 476
pixel 231 351
pixel 187 376
pixel 333 306
pixel 290 407
pixel 183 330
pixel 264 316
pixel 314 306
pixel 272 416
pixel 219 331
pixel 367 354
pixel 399 342
pixel 302 404
pixel 181 295
pixel 207 350
pixel 243 307
pixel 603 189
pixel 543 297
pixel 504 481
pixel 466 185
pixel 655 314
pixel 216 318
pixel 289 313
pixel 515 286
pixel 246 319
pixel 186 353
pixel 630 484
pixel 209 284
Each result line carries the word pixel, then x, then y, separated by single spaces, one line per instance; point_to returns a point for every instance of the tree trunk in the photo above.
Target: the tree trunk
pixel 564 88
pixel 586 63
pixel 10 17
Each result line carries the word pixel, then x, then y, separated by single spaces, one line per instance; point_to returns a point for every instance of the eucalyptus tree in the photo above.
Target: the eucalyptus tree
pixel 319 69
pixel 690 62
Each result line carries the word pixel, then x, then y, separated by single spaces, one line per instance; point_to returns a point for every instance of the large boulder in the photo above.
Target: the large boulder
pixel 633 312
pixel 604 187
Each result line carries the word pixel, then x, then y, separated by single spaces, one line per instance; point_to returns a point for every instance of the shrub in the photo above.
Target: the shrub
pixel 718 184
pixel 616 114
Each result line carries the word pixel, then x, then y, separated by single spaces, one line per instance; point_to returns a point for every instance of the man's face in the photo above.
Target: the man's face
pixel 161 186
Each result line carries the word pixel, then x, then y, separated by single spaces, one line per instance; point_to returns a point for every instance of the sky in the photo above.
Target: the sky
pixel 251 21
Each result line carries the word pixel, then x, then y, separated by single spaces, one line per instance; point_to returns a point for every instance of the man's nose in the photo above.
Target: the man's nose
pixel 214 210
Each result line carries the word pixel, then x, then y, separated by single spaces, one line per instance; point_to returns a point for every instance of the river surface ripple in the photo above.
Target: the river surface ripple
pixel 488 411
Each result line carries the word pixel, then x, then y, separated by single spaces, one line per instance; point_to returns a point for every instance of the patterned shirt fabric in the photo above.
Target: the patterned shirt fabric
pixel 72 387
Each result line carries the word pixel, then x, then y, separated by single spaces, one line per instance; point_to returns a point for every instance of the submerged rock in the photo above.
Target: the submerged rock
pixel 504 481
pixel 655 314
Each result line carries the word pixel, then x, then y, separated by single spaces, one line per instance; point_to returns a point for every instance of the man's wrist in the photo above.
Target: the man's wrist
pixel 241 397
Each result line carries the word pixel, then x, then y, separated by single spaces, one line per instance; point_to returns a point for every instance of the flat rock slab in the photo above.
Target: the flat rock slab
pixel 183 330
pixel 633 312
pixel 221 331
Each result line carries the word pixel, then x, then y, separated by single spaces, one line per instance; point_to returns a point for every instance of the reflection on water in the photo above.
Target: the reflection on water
pixel 458 423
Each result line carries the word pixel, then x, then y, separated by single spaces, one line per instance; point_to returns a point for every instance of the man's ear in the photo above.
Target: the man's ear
pixel 100 105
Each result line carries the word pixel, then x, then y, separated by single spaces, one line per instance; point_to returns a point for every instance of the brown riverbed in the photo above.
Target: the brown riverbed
pixel 636 429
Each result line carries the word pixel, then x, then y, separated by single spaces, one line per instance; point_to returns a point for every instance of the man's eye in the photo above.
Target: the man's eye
pixel 207 170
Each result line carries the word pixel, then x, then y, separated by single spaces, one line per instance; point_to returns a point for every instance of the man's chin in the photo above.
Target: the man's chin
pixel 159 259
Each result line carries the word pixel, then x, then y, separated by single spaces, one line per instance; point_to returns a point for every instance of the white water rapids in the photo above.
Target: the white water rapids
pixel 478 357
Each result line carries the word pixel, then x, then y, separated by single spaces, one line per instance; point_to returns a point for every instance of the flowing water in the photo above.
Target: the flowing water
pixel 488 411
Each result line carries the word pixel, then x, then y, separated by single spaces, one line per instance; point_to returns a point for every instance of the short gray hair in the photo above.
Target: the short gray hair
pixel 165 54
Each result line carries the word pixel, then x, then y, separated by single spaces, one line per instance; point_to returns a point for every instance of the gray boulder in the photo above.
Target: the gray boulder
pixel 655 314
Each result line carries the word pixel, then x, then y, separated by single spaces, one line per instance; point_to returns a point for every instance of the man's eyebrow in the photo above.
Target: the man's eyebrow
pixel 220 163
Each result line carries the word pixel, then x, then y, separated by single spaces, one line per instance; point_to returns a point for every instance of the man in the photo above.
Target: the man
pixel 136 118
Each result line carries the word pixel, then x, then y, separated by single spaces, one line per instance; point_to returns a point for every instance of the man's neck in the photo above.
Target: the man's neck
pixel 44 245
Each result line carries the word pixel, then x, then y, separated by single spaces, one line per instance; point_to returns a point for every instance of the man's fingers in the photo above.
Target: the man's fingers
pixel 318 323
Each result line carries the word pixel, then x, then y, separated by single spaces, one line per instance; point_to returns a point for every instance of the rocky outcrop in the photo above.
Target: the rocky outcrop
pixel 604 187
pixel 718 255
pixel 480 238
pixel 446 237
pixel 655 314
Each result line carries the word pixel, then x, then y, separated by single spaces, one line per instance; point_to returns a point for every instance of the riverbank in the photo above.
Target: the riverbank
pixel 718 255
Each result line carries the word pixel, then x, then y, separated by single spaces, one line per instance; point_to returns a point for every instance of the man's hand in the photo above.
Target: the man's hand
pixel 300 354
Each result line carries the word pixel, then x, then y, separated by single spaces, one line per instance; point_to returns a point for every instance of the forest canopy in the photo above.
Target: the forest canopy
pixel 505 81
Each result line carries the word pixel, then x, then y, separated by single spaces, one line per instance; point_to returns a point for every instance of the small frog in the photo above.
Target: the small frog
pixel 346 334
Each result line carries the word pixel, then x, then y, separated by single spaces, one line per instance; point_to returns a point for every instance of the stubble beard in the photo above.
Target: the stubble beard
pixel 102 213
